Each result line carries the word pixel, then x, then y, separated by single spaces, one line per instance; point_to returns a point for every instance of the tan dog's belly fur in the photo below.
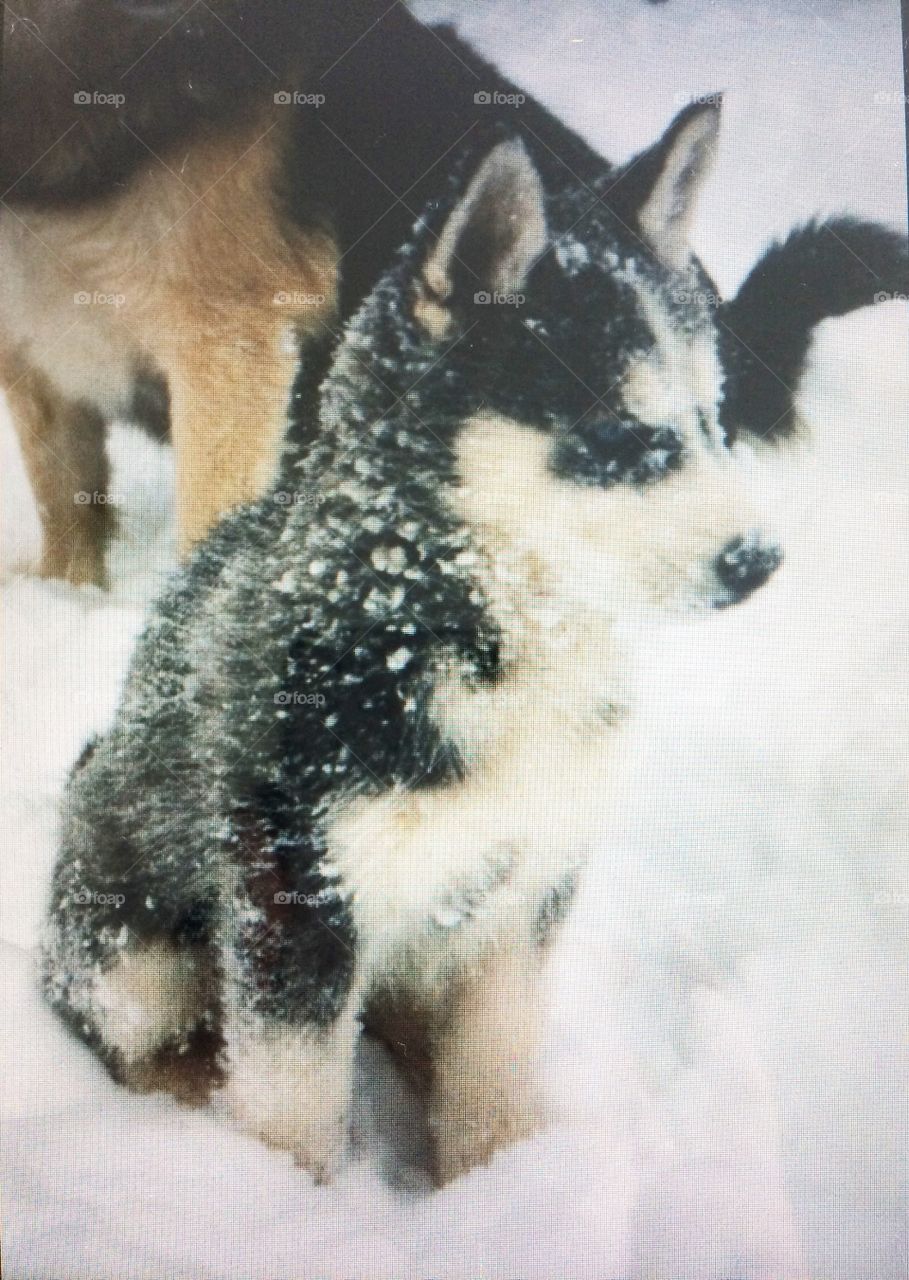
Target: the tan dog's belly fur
pixel 193 272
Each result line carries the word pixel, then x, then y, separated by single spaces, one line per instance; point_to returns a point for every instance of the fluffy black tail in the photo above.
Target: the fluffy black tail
pixel 822 269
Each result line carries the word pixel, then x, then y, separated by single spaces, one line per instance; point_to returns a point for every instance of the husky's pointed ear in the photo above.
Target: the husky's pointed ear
pixel 661 186
pixel 490 241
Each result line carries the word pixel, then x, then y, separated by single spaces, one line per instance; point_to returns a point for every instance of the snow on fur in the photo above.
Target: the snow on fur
pixel 727 1040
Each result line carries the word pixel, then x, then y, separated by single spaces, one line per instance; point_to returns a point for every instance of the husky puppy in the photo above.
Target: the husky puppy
pixel 362 751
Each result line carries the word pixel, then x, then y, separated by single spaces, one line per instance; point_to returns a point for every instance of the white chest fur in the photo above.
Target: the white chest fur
pixel 438 871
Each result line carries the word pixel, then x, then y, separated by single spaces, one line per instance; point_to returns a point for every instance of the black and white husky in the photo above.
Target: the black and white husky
pixel 361 754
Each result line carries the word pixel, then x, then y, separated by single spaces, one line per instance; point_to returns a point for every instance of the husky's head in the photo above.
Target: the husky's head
pixel 590 446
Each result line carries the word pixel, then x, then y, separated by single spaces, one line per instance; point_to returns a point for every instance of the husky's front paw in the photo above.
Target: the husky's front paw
pixel 464 1138
pixel 484 1093
pixel 286 1088
pixel 316 1142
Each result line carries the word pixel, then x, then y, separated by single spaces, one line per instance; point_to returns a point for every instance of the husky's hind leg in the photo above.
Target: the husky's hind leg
pixel 156 1008
pixel 126 960
pixel 147 1005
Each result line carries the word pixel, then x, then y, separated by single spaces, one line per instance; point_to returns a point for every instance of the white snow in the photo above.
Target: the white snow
pixel 728 1049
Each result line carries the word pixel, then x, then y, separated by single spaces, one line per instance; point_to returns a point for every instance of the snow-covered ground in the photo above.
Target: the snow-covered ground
pixel 728 1054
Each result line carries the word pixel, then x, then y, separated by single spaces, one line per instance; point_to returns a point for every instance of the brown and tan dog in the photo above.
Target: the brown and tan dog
pixel 189 190
pixel 142 238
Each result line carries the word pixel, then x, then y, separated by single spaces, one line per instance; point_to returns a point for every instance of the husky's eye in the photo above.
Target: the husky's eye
pixel 604 451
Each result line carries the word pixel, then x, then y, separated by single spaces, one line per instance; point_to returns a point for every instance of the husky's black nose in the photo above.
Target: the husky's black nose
pixel 743 566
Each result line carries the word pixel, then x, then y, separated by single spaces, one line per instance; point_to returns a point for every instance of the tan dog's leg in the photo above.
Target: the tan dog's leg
pixel 65 458
pixel 229 397
pixel 483 1094
pixel 227 294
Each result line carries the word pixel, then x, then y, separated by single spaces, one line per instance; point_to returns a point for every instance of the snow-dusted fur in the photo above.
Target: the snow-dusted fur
pixel 364 746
